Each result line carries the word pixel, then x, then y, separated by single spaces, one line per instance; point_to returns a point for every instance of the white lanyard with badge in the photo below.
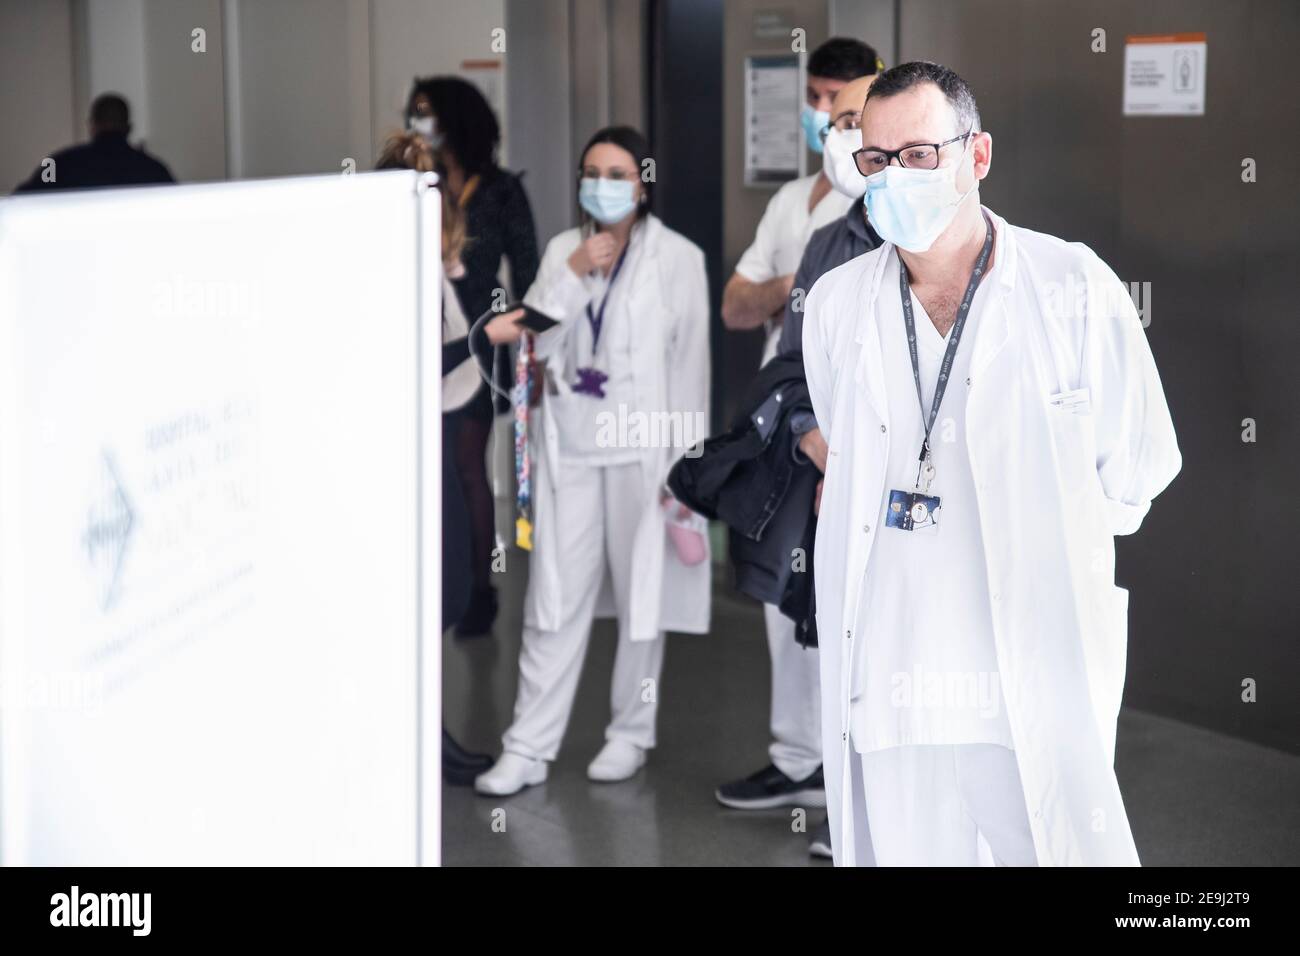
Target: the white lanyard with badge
pixel 917 509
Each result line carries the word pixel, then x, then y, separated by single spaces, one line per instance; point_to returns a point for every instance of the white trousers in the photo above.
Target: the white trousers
pixel 597 510
pixel 945 805
pixel 796 748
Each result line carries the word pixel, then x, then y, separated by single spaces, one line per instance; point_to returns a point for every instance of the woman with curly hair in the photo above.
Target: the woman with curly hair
pixel 452 116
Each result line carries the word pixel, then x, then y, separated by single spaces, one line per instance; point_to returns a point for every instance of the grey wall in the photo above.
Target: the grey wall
pixel 1161 199
pixel 575 66
pixel 743 205
pixel 538 86
pixel 291 113
pixel 871 21
pixel 284 87
pixel 112 55
pixel 186 97
pixel 36 54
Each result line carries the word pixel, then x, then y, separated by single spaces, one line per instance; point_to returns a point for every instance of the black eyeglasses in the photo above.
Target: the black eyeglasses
pixel 916 156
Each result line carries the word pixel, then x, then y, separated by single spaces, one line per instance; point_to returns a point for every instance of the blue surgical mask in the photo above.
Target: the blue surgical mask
pixel 912 207
pixel 813 122
pixel 607 200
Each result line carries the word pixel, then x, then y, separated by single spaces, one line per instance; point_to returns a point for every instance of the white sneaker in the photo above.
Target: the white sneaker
pixel 617 760
pixel 510 774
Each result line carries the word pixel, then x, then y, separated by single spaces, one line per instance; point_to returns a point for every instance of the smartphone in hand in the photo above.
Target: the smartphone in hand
pixel 533 320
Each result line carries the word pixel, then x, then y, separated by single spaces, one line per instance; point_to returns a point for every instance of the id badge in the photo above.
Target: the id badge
pixel 591 381
pixel 913 511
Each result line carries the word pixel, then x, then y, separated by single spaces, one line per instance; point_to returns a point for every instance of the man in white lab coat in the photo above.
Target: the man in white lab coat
pixel 972 637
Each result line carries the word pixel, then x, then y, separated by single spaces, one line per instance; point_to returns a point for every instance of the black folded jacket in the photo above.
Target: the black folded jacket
pixel 748 478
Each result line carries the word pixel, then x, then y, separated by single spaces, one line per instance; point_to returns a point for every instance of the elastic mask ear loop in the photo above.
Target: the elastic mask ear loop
pixel 490 379
pixel 976 185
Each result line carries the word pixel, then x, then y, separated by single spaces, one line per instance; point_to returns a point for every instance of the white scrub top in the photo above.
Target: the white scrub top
pixel 586 422
pixel 929 674
pixel 782 234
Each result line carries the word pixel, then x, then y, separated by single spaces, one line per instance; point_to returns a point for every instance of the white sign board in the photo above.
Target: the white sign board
pixel 773 139
pixel 1164 75
pixel 211 626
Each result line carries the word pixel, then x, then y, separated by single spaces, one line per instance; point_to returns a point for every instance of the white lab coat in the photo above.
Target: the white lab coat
pixel 668 298
pixel 1053 488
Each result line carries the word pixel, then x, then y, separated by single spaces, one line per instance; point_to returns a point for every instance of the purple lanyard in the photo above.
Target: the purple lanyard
pixel 597 319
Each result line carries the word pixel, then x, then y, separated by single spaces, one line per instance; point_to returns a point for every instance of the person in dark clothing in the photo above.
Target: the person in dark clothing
pixel 452 115
pixel 107 160
pixel 410 151
pixel 832 245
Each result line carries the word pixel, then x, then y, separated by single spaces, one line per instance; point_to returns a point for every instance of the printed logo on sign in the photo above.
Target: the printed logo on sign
pixel 102 910
pixel 109 520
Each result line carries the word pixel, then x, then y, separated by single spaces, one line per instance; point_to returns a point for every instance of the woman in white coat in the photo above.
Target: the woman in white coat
pixel 626 386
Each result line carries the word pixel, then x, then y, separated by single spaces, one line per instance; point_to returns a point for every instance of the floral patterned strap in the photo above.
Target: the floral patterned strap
pixel 523 467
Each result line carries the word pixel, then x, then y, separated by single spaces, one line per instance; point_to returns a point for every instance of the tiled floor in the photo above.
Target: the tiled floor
pixel 1193 796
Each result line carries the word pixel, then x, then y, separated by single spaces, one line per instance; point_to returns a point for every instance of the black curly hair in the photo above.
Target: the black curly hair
pixel 469 128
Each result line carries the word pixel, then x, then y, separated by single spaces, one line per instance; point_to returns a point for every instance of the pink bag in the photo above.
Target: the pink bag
pixel 687 533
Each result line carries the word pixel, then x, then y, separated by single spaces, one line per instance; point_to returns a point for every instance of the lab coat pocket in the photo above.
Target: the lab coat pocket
pixel 1075 442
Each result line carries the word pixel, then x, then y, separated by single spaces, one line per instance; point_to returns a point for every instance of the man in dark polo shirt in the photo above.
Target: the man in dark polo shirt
pixel 107 160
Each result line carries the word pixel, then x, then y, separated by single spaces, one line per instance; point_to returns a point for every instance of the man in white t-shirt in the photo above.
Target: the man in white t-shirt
pixel 756 297
pixel 756 294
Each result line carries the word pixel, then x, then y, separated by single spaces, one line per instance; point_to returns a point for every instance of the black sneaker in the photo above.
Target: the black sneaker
pixel 769 788
pixel 820 844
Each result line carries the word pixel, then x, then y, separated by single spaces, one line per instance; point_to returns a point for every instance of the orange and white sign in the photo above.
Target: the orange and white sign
pixel 1164 75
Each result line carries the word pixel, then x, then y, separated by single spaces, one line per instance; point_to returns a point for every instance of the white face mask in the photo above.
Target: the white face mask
pixel 838 164
pixel 912 207
pixel 424 126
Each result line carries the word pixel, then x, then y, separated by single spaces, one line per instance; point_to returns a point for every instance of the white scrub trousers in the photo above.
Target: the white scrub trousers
pixel 945 805
pixel 796 748
pixel 596 515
